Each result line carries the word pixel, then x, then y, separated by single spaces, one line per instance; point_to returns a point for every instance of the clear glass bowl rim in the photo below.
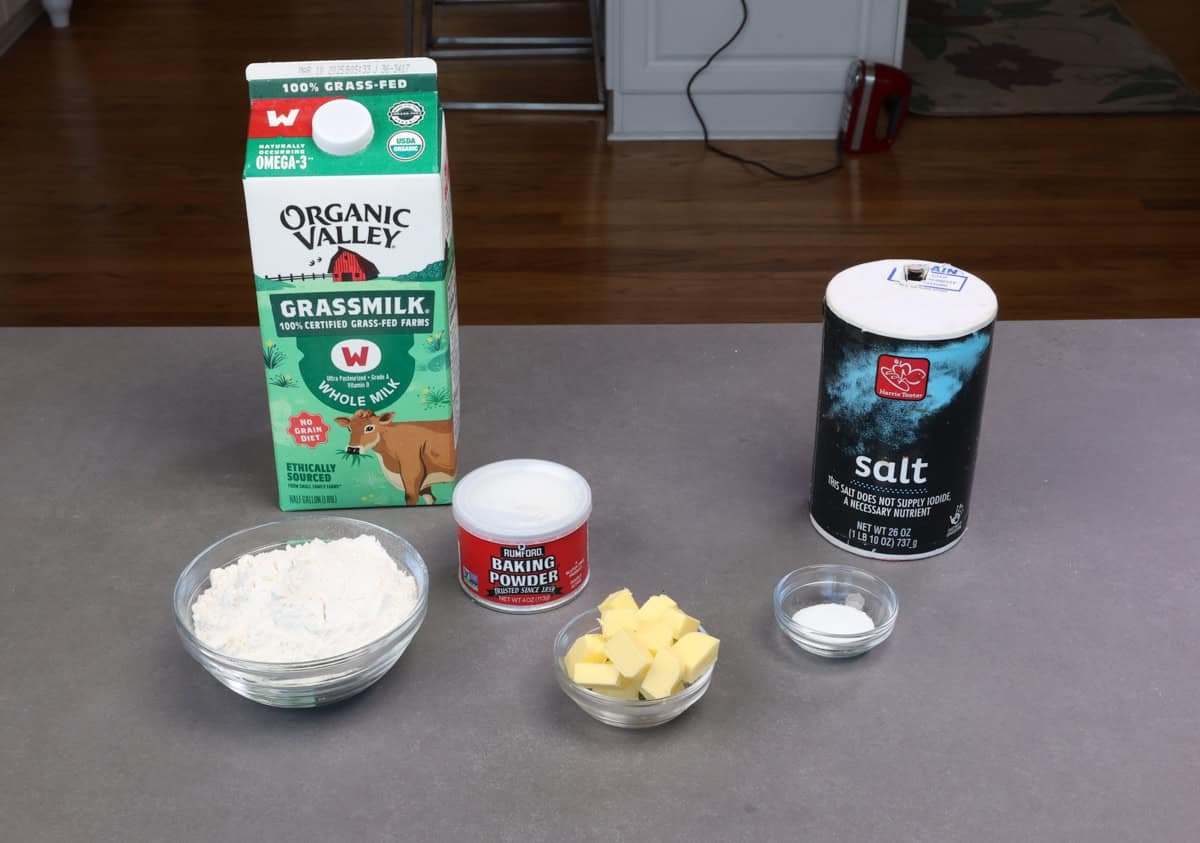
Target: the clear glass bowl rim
pixel 814 574
pixel 414 564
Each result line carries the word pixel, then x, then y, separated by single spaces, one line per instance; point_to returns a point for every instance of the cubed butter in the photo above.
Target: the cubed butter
pixel 596 676
pixel 629 657
pixel 614 620
pixel 654 650
pixel 696 652
pixel 664 674
pixel 594 646
pixel 635 681
pixel 625 692
pixel 656 635
pixel 654 607
pixel 622 599
pixel 586 649
pixel 681 622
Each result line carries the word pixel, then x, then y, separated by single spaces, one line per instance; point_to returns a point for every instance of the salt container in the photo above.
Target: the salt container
pixel 904 363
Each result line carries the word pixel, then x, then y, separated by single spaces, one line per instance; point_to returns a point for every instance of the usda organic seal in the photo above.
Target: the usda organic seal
pixel 406 113
pixel 406 145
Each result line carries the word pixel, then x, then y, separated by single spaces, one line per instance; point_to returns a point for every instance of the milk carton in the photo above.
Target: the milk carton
pixel 348 201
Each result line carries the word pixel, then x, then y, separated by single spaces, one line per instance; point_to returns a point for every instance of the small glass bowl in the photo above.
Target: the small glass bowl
pixel 299 684
pixel 835 584
pixel 626 714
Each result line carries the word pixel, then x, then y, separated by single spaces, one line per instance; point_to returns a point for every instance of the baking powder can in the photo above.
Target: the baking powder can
pixel 523 534
pixel 904 361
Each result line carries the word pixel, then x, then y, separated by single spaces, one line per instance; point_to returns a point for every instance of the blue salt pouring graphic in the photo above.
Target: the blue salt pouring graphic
pixel 879 420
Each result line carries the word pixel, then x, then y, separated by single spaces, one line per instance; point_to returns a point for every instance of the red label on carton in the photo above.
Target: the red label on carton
pixel 523 575
pixel 284 118
pixel 308 430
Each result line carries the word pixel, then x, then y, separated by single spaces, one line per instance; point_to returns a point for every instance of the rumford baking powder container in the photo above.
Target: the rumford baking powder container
pixel 904 364
pixel 522 534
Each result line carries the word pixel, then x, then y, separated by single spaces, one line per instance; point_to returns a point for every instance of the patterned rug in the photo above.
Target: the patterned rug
pixel 1035 57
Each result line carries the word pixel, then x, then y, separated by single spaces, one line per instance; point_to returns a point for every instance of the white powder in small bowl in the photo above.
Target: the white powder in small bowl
pixel 834 619
pixel 304 601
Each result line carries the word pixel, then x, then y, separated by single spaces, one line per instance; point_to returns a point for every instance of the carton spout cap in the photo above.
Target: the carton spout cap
pixel 342 127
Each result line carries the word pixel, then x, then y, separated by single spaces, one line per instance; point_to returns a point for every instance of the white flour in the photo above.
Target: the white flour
pixel 305 601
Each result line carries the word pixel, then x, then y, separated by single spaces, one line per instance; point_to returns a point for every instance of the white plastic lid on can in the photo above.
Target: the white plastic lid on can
pixel 522 501
pixel 911 299
pixel 342 127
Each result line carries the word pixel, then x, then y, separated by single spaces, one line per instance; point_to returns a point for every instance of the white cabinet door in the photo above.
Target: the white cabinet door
pixel 783 78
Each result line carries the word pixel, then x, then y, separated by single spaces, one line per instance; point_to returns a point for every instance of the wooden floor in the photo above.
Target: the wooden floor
pixel 121 145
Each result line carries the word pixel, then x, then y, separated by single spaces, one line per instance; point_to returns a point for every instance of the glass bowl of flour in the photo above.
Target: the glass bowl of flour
pixel 304 612
pixel 835 611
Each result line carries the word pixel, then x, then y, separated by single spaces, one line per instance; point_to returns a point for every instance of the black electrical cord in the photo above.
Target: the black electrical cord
pixel 750 161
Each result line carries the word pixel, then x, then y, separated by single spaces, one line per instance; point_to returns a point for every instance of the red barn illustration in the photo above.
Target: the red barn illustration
pixel 346 265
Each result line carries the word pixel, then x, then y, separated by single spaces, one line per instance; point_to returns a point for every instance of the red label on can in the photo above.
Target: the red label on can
pixel 901 378
pixel 523 575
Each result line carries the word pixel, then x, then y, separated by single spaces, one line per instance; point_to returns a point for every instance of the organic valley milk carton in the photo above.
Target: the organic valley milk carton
pixel 348 200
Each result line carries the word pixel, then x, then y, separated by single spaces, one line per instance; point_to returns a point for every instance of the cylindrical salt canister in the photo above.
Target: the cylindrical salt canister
pixel 904 361
pixel 523 534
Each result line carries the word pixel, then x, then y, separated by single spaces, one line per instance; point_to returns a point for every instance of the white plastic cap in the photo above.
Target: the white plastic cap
pixel 342 127
pixel 911 299
pixel 522 501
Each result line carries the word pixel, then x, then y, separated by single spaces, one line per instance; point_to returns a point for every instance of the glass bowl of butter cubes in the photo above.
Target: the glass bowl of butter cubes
pixel 635 666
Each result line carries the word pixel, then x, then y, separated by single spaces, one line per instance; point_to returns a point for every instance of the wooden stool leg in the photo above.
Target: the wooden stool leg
pixel 596 19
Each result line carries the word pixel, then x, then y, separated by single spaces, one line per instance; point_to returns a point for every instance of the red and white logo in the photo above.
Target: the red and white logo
pixel 356 355
pixel 284 118
pixel 901 378
pixel 308 430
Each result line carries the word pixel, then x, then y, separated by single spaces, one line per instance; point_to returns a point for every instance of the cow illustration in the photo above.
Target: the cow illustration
pixel 413 455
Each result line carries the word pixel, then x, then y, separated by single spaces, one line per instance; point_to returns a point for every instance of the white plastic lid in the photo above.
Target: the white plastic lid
pixel 522 501
pixel 342 127
pixel 911 299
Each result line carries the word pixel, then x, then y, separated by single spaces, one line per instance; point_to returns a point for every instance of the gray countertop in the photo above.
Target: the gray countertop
pixel 1042 683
